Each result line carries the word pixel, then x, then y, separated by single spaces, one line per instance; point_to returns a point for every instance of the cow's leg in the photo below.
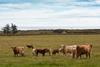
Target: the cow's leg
pixel 80 56
pixel 89 55
pixel 17 54
pixel 33 53
pixel 22 53
pixel 43 54
pixel 77 55
pixel 49 53
pixel 37 53
pixel 65 53
pixel 86 55
pixel 73 54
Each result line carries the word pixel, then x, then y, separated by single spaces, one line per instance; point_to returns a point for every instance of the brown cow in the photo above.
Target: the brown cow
pixel 83 50
pixel 18 51
pixel 41 51
pixel 55 51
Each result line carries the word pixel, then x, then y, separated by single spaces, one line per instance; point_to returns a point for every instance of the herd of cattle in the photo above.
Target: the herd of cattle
pixel 75 51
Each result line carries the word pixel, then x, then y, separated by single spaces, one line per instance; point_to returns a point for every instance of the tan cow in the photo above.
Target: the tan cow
pixel 68 50
pixel 18 51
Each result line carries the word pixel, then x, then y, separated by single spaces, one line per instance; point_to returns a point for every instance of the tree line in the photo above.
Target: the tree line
pixel 12 29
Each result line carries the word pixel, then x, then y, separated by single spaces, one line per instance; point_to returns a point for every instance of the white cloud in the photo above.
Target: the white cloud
pixel 51 18
pixel 98 1
pixel 47 15
pixel 18 6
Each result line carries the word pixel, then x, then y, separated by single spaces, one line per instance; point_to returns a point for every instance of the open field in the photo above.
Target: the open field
pixel 50 41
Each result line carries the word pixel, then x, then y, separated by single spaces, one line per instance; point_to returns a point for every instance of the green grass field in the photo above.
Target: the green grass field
pixel 50 41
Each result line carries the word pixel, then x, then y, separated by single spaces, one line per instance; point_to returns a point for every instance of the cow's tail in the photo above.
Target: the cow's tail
pixel 77 51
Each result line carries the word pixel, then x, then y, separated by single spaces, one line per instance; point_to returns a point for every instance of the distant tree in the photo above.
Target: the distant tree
pixel 6 29
pixel 14 29
pixel 10 29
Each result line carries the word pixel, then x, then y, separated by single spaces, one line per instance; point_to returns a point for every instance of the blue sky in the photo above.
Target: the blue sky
pixel 50 14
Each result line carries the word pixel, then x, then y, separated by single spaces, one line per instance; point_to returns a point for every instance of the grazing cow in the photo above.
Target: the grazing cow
pixel 68 49
pixel 55 51
pixel 18 51
pixel 29 46
pixel 41 51
pixel 84 50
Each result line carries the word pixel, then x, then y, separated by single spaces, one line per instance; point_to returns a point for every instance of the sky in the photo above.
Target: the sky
pixel 50 14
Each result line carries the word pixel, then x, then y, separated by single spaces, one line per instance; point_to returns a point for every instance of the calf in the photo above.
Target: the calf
pixel 55 51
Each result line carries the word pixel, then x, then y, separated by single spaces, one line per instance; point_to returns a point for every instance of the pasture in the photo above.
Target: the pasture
pixel 49 41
